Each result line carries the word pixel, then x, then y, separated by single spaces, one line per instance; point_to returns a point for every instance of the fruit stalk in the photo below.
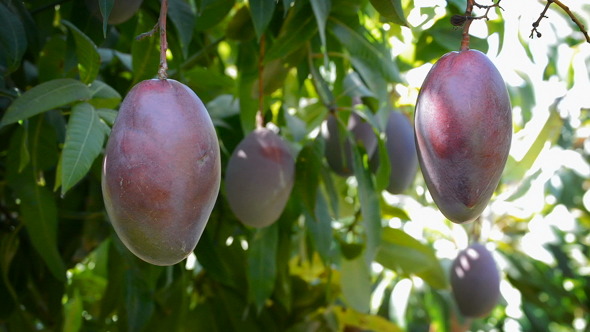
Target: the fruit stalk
pixel 465 39
pixel 162 74
pixel 259 114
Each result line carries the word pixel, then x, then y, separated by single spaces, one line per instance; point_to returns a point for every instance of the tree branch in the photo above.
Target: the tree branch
pixel 567 10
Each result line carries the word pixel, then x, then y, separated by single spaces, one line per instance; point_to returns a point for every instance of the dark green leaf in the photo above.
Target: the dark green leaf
pixel 355 281
pixel 44 97
pixel 321 10
pixel 391 10
pixel 73 313
pixel 298 28
pixel 262 269
pixel 103 95
pixel 13 41
pixel 400 252
pixel 108 115
pixel 211 12
pixel 384 169
pixel 319 226
pixel 84 140
pixel 369 200
pixel 38 210
pixel 240 27
pixel 105 7
pixel 145 53
pixel 261 12
pixel 183 19
pixel 87 54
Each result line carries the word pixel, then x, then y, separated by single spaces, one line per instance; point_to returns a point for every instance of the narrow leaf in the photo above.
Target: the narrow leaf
pixel 261 12
pixel 44 97
pixel 391 10
pixel 356 283
pixel 320 227
pixel 183 19
pixel 105 7
pixel 321 10
pixel 86 52
pixel 84 140
pixel 262 269
pixel 369 200
pixel 400 252
pixel 103 95
pixel 13 40
pixel 298 28
pixel 37 207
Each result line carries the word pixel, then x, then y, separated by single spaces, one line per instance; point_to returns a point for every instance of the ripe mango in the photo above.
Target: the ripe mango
pixel 475 281
pixel 161 171
pixel 259 178
pixel 463 131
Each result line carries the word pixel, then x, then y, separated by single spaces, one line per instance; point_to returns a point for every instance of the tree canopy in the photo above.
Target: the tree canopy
pixel 345 254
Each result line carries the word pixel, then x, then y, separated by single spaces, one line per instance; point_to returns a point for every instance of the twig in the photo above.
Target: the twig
pixel 259 113
pixel 567 10
pixel 162 74
pixel 465 20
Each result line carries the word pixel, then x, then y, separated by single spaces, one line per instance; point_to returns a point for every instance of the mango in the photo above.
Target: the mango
pixel 161 171
pixel 475 281
pixel 463 131
pixel 259 178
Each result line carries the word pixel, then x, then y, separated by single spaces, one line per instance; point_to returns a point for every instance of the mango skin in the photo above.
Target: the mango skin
pixel 401 149
pixel 161 171
pixel 475 281
pixel 122 10
pixel 259 178
pixel 463 132
pixel 338 151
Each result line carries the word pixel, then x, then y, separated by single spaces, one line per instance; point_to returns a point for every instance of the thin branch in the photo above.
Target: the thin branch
pixel 567 10
pixel 465 20
pixel 162 74
pixel 465 39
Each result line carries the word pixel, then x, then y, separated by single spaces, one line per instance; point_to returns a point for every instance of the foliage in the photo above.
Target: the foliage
pixel 344 254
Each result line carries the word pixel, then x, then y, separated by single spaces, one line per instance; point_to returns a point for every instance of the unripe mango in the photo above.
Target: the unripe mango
pixel 463 130
pixel 475 281
pixel 401 149
pixel 122 10
pixel 161 171
pixel 338 150
pixel 259 178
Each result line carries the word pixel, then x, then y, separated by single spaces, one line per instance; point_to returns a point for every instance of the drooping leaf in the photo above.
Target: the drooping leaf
pixel 103 95
pixel 319 225
pixel 38 209
pixel 321 10
pixel 84 140
pixel 297 30
pixel 401 252
pixel 87 54
pixel 144 53
pixel 248 73
pixel 183 19
pixel 108 115
pixel 262 269
pixel 240 27
pixel 369 200
pixel 73 313
pixel 391 10
pixel 13 40
pixel 261 12
pixel 307 170
pixel 44 97
pixel 355 280
pixel 105 7
pixel 211 12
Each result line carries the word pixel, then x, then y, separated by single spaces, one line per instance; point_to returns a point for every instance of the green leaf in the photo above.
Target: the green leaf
pixel 355 280
pixel 73 313
pixel 84 140
pixel 319 226
pixel 144 53
pixel 261 12
pixel 108 115
pixel 103 95
pixel 384 169
pixel 44 97
pixel 211 12
pixel 240 27
pixel 400 252
pixel 321 10
pixel 307 170
pixel 105 7
pixel 183 19
pixel 262 269
pixel 369 200
pixel 13 40
pixel 298 28
pixel 391 10
pixel 37 207
pixel 247 75
pixel 87 54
